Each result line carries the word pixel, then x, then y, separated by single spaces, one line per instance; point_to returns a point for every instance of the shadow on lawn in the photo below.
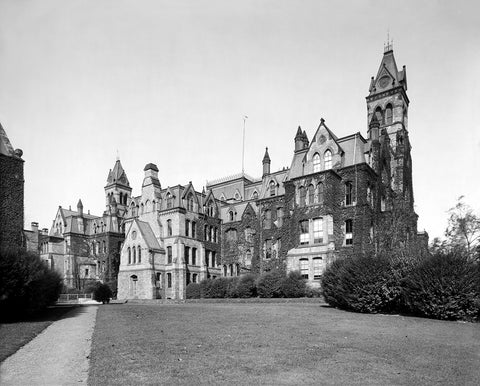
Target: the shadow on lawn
pixel 50 314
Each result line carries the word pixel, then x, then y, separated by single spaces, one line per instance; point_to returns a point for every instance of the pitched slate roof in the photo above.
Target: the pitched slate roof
pixel 148 235
pixel 117 175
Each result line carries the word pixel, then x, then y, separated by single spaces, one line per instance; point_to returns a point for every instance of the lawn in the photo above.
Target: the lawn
pixel 268 343
pixel 15 333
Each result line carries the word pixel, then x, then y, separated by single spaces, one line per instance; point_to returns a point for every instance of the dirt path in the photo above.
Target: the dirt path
pixel 58 356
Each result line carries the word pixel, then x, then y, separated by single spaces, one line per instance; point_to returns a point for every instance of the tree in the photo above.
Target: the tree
pixel 463 231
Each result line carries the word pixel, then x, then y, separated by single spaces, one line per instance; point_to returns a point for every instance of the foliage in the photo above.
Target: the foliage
pixel 444 287
pixel 205 288
pixel 26 284
pixel 232 284
pixel 193 291
pixel 362 284
pixel 293 285
pixel 463 229
pixel 269 284
pixel 311 292
pixel 102 293
pixel 246 286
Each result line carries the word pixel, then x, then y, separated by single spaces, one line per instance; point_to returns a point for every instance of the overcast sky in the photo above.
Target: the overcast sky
pixel 169 82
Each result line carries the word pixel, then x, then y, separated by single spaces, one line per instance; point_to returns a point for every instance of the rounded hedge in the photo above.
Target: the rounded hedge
pixel 444 287
pixel 361 284
pixel 269 284
pixel 193 291
pixel 102 293
pixel 293 285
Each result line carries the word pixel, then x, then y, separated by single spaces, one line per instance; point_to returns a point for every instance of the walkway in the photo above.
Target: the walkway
pixel 57 356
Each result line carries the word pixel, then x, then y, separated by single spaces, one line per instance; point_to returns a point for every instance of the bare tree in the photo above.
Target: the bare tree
pixel 463 229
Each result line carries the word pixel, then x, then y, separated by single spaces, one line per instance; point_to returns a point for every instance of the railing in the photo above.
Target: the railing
pixel 67 297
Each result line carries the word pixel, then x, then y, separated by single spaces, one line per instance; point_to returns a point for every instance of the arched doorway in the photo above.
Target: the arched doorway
pixel 133 287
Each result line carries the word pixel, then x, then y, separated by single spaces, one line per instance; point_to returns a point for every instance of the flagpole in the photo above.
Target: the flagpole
pixel 243 145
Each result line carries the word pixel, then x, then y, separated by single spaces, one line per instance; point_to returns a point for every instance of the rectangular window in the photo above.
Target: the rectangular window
pixel 187 228
pixel 268 219
pixel 207 257
pixel 317 268
pixel 279 217
pixel 205 232
pixel 348 193
pixel 169 227
pixel 304 236
pixel 214 258
pixel 304 268
pixel 187 255
pixel 194 229
pixel 169 255
pixel 318 230
pixel 169 280
pixel 194 277
pixel 268 248
pixel 349 232
pixel 194 256
pixel 86 272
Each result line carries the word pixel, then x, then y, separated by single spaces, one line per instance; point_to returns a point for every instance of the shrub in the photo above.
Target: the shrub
pixel 193 291
pixel 102 293
pixel 293 285
pixel 269 284
pixel 218 287
pixel 27 285
pixel 313 292
pixel 246 286
pixel 444 287
pixel 361 284
pixel 232 287
pixel 206 288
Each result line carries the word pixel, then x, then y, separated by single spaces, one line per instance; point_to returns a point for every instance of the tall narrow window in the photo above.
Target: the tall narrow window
pixel 316 163
pixel 205 232
pixel 268 248
pixel 129 251
pixel 194 229
pixel 268 219
pixel 328 159
pixel 311 194
pixel 169 227
pixel 212 234
pixel 349 232
pixel 379 115
pixel 104 247
pixel 303 195
pixel 215 234
pixel 304 236
pixel 388 115
pixel 187 228
pixel 169 201
pixel 169 280
pixel 139 254
pixel 348 193
pixel 369 195
pixel 279 217
pixel 190 202
pixel 320 193
pixel 272 188
pixel 231 215
pixel 214 258
pixel 318 231
pixel 194 256
pixel 187 255
pixel 304 268
pixel 207 257
pixel 248 234
pixel 317 268
pixel 383 204
pixel 248 258
pixel 134 255
pixel 169 255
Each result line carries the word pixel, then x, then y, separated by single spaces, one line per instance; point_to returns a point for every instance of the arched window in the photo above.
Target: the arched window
pixel 121 198
pixel 169 255
pixel 134 255
pixel 272 188
pixel 279 217
pixel 224 270
pixel 302 195
pixel 129 255
pixel 169 227
pixel 320 193
pixel 328 159
pixel 248 258
pixel 169 201
pixel 248 234
pixel 104 247
pixel 190 202
pixel 388 114
pixel 348 193
pixel 255 195
pixel 139 254
pixel 317 166
pixel 311 194
pixel 379 114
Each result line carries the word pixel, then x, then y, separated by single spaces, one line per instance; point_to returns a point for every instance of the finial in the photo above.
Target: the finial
pixel 118 156
pixel 388 46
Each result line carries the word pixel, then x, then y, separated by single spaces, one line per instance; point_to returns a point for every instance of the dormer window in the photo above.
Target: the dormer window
pixel 272 188
pixel 328 159
pixel 190 202
pixel 169 201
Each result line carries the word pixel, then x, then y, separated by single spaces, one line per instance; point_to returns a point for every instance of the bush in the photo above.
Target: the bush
pixel 313 292
pixel 246 286
pixel 361 284
pixel 293 285
pixel 26 284
pixel 102 293
pixel 206 288
pixel 193 291
pixel 444 287
pixel 218 287
pixel 269 284
pixel 232 287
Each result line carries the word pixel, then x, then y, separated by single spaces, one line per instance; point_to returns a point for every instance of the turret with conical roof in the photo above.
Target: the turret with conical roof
pixel 300 139
pixel 266 163
pixel 118 188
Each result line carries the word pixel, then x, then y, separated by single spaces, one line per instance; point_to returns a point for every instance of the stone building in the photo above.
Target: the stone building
pixel 341 196
pixel 11 194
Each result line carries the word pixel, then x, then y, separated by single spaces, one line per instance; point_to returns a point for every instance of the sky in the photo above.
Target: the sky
pixel 169 82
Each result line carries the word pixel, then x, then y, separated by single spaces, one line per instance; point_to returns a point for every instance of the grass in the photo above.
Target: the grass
pixel 15 333
pixel 288 343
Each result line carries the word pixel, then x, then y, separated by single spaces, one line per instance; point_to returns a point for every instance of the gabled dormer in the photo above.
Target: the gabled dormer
pixel 190 198
pixel 210 208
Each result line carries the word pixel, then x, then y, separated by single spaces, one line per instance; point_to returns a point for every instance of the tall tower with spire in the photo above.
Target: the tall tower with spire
pixel 387 106
pixel 117 190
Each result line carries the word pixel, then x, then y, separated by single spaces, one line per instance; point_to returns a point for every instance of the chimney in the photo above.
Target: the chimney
pixel 34 226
